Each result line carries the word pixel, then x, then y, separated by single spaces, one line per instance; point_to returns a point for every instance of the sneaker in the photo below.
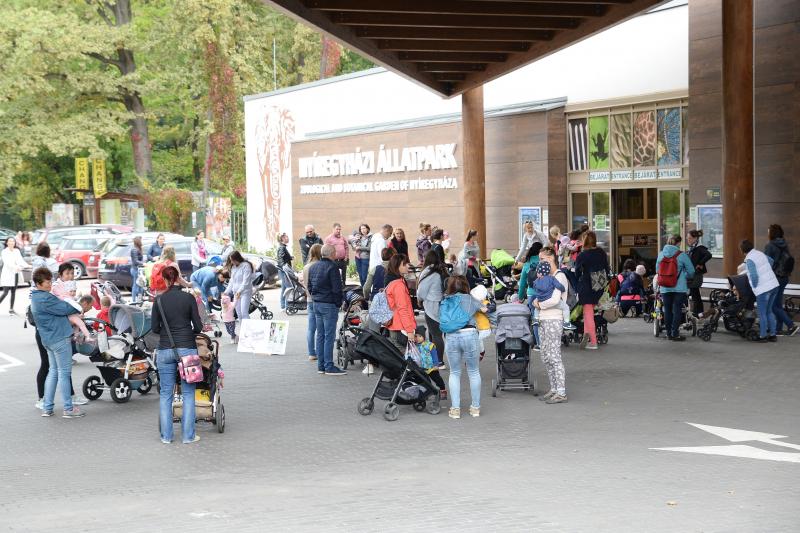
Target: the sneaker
pixel 47 413
pixel 320 371
pixel 369 369
pixel 536 348
pixel 584 341
pixel 761 339
pixel 556 398
pixel 678 338
pixel 547 395
pixel 791 331
pixel 73 413
pixel 454 412
pixel 312 357
pixel 195 439
pixel 39 404
pixel 591 346
pixel 165 441
pixel 441 366
pixel 569 326
pixel 536 323
pixel 335 371
pixel 79 401
pixel 474 412
pixel 12 313
pixel 772 338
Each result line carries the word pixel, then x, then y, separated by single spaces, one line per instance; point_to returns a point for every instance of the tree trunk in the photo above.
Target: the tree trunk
pixel 323 59
pixel 209 161
pixel 196 171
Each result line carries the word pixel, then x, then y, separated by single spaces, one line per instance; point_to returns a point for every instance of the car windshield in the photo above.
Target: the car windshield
pixel 36 237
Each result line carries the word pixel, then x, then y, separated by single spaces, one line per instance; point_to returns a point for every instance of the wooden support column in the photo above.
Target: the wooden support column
pixel 737 132
pixel 474 181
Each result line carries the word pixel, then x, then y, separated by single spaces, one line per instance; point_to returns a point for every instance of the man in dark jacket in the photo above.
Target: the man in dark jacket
pixel 782 264
pixel 325 285
pixel 308 241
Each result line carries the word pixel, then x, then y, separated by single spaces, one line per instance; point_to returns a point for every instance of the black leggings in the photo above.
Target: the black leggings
pixel 13 291
pixel 437 378
pixel 435 335
pixel 697 300
pixel 44 368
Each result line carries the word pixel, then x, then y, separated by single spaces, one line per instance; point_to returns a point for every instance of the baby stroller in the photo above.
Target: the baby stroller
pixel 208 393
pixel 295 294
pixel 402 381
pixel 209 320
pixel 513 342
pixel 105 288
pixel 689 322
pixel 604 313
pixel 354 307
pixel 737 308
pixel 499 270
pixel 124 359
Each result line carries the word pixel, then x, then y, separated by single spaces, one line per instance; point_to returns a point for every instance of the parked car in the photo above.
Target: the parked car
pixel 53 236
pixel 115 264
pixel 83 252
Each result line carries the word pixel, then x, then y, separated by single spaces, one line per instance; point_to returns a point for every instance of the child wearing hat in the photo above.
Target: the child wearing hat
pixel 429 359
pixel 543 289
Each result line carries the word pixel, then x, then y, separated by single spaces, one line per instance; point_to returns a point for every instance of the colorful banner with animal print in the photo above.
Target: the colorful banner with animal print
pixel 644 139
pixel 669 136
pixel 577 145
pixel 621 138
pixel 598 142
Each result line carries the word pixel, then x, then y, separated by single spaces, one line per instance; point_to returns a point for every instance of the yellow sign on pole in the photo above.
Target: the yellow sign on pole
pixel 81 175
pixel 99 176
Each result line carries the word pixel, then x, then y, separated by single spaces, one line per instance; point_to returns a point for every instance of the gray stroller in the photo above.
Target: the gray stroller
pixel 513 340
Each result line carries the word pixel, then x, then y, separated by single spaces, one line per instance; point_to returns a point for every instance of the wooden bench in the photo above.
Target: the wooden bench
pixel 792 289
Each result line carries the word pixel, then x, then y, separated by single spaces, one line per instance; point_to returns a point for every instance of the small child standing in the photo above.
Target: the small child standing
pixel 429 359
pixel 228 317
pixel 543 289
pixel 65 288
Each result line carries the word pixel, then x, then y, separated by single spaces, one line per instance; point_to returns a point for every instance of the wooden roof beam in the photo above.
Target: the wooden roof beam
pixel 453 21
pixel 447 57
pixel 451 67
pixel 449 76
pixel 453 34
pixel 448 7
pixel 413 45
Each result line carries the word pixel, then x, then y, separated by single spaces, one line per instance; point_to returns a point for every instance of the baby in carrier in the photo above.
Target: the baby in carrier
pixel 65 288
pixel 543 290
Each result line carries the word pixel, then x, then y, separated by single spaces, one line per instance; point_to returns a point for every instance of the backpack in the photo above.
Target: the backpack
pixel 668 270
pixel 531 279
pixel 452 316
pixel 613 285
pixel 378 281
pixel 784 265
pixel 379 310
pixel 157 283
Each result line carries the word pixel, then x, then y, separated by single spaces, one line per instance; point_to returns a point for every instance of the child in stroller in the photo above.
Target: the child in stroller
pixel 513 342
pixel 737 308
pixel 295 294
pixel 429 359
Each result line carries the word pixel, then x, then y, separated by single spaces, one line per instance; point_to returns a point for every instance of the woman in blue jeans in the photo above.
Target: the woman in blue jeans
pixel 137 262
pixel 765 286
pixel 177 320
pixel 463 346
pixel 314 255
pixel 782 265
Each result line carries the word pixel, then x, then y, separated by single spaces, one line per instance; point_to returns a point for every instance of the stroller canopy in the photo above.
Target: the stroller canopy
pixel 500 258
pixel 513 322
pixel 131 319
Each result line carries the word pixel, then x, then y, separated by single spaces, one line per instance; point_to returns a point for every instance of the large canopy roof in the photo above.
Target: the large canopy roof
pixel 451 46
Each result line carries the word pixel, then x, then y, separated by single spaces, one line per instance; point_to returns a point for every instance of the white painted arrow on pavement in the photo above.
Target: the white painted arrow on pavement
pixel 12 362
pixel 741 450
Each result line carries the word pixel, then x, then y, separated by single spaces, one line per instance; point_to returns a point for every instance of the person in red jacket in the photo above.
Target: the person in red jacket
pixel 403 324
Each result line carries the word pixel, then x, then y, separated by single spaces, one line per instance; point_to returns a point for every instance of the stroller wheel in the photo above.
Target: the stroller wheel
pixel 434 407
pixel 92 388
pixel 218 334
pixel 391 412
pixel 366 406
pixel 145 387
pixel 291 310
pixel 419 406
pixel 220 418
pixel 121 390
pixel 494 389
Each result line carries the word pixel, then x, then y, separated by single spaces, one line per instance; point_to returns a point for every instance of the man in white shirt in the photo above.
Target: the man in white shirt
pixel 378 244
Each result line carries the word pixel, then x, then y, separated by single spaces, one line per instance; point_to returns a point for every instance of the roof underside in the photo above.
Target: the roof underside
pixel 451 46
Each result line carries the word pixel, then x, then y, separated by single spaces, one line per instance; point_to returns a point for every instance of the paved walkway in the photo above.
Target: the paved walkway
pixel 297 457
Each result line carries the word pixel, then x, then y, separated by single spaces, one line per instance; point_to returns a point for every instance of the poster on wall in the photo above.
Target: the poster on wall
pixel 218 220
pixel 685 134
pixel 709 221
pixel 644 139
pixel 598 142
pixel 64 215
pixel 263 336
pixel 621 138
pixel 577 144
pixel 110 212
pixel 529 214
pixel 128 213
pixel 669 137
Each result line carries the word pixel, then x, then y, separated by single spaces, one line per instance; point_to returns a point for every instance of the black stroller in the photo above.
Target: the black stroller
pixel 354 306
pixel 401 381
pixel 295 294
pixel 737 308
pixel 514 340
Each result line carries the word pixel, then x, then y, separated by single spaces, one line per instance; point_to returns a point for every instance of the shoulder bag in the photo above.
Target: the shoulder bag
pixel 190 367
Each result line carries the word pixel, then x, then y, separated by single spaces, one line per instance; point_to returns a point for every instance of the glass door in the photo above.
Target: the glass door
pixel 601 220
pixel 672 213
pixel 580 210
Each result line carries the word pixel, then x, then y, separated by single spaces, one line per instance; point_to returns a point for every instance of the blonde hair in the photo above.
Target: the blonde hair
pixel 315 253
pixel 168 253
pixel 555 232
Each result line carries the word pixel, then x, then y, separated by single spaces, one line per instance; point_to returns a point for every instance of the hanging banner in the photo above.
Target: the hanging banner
pixel 99 177
pixel 81 173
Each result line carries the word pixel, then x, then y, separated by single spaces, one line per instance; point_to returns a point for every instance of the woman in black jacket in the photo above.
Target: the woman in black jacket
pixel 176 318
pixel 137 262
pixel 783 265
pixel 284 258
pixel 699 255
pixel 591 267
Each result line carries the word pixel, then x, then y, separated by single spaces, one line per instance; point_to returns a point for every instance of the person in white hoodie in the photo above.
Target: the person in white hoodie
pixel 765 286
pixel 530 236
pixel 378 244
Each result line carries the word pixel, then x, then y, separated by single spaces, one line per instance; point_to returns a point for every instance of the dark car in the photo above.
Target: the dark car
pixel 115 266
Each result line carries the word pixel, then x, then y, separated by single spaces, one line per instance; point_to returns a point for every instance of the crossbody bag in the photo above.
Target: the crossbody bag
pixel 190 367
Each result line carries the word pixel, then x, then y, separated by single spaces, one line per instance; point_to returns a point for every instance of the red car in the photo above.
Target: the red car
pixel 83 251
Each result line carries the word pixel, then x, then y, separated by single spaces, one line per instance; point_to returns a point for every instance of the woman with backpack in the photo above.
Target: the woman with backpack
pixel 457 315
pixel 430 291
pixel 376 279
pixel 673 268
pixel 240 287
pixel 157 283
pixel 403 324
pixel 782 265
pixel 591 268
pixel 699 255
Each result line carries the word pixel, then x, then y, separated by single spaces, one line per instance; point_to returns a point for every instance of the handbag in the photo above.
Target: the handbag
pixel 190 367
pixel 412 352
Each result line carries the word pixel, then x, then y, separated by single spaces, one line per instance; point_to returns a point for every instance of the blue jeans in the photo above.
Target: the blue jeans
pixel 766 317
pixel 781 316
pixel 59 355
pixel 325 317
pixel 135 289
pixel 464 347
pixel 362 267
pixel 284 285
pixel 311 332
pixel 167 364
pixel 673 311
